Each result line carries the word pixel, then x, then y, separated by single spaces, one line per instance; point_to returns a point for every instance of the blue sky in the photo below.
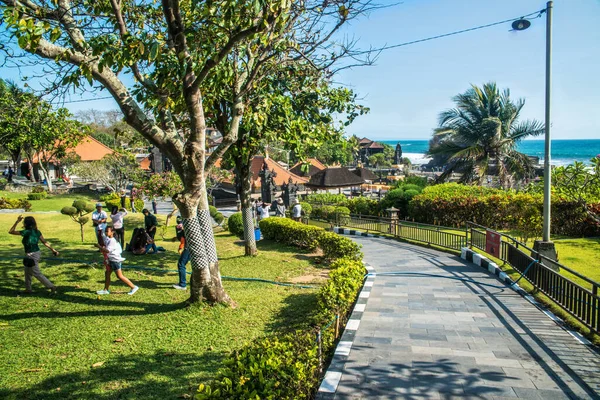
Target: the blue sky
pixel 409 86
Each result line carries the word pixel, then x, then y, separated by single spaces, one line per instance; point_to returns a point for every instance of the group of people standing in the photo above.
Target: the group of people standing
pixel 263 210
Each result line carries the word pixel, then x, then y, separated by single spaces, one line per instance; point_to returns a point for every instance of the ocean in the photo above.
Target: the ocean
pixel 563 151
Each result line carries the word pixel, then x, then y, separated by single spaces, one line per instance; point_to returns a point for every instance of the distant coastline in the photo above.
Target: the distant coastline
pixel 564 151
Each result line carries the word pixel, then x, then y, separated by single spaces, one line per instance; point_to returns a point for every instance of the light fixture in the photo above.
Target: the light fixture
pixel 521 24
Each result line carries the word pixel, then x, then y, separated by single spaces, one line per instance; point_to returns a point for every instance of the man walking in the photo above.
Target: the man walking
pixel 150 223
pixel 297 211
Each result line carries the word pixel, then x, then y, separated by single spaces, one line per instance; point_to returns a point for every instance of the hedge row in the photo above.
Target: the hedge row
pixel 309 237
pixel 453 205
pixel 37 195
pixel 287 366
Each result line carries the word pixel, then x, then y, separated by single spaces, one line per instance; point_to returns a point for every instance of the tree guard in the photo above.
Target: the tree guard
pixel 205 222
pixel 248 221
pixel 195 242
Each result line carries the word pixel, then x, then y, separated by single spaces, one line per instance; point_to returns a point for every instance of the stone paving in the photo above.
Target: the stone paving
pixel 429 337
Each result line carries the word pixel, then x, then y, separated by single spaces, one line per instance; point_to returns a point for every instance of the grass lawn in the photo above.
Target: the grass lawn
pixel 581 255
pixel 53 203
pixel 147 346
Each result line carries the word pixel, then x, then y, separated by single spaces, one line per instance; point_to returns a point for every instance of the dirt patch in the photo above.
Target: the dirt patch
pixel 316 277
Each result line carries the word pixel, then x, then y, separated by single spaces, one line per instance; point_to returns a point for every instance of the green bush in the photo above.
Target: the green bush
pixel 306 209
pixel 37 195
pixel 337 246
pixel 342 215
pixel 290 232
pixel 274 367
pixel 14 204
pixel 213 211
pixel 328 212
pixel 38 189
pixel 236 225
pixel 114 200
pixel 340 291
pixel 326 198
pixel 363 205
pixel 218 217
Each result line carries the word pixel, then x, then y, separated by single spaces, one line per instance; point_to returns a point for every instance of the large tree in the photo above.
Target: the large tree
pixel 170 50
pixel 479 136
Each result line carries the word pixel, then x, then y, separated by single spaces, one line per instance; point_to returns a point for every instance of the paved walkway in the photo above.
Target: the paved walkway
pixel 436 338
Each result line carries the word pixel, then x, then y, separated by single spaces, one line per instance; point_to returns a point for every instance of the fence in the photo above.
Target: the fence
pixel 580 302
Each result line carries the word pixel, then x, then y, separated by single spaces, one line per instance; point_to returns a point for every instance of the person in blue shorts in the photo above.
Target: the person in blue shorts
pixel 113 250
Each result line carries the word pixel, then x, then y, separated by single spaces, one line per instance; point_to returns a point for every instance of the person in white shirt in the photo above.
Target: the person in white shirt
pixel 99 221
pixel 113 250
pixel 116 216
pixel 264 211
pixel 297 211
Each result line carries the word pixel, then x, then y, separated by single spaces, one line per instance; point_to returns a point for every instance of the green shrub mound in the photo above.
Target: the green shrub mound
pixel 37 195
pixel 114 200
pixel 219 218
pixel 336 246
pixel 213 211
pixel 235 224
pixel 14 204
pixel 287 366
pixel 306 208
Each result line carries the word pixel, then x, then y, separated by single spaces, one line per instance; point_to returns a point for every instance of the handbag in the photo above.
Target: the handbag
pixel 28 262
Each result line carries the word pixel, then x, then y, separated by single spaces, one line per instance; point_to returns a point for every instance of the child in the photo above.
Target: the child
pixel 31 237
pixel 113 250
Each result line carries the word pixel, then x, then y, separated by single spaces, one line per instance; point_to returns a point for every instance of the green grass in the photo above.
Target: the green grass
pixel 581 255
pixel 146 346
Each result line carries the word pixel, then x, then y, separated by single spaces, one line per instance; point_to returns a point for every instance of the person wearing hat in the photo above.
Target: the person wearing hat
pixel 99 221
pixel 280 208
pixel 297 211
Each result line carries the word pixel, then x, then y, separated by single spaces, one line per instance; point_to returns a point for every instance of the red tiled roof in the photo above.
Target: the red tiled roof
pixel 89 149
pixel 283 176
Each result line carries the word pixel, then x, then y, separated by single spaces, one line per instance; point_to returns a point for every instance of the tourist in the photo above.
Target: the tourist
pixel 264 211
pixel 99 218
pixel 184 256
pixel 113 250
pixel 154 206
pixel 123 198
pixel 257 207
pixel 10 174
pixel 150 223
pixel 280 208
pixel 132 194
pixel 31 238
pixel 116 216
pixel 297 211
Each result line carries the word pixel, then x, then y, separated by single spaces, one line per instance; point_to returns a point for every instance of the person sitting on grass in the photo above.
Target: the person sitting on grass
pixel 113 250
pixel 150 223
pixel 31 238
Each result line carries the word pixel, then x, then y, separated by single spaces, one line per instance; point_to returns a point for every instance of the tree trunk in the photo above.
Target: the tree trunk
pixel 81 229
pixel 243 188
pixel 205 284
pixel 47 176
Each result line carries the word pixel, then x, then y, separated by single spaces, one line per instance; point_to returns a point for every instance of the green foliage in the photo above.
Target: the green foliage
pixel 379 160
pixel 578 182
pixel 342 215
pixel 14 204
pixel 306 208
pixel 78 213
pixel 340 290
pixel 400 198
pixel 363 205
pixel 275 367
pixel 38 189
pixel 213 211
pixel 479 137
pixel 37 196
pixel 336 246
pixel 167 184
pixel 219 218
pixel 236 225
pixel 291 232
pixel 414 180
pixel 326 198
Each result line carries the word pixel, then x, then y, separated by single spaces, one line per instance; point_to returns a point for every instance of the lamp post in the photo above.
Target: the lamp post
pixel 545 247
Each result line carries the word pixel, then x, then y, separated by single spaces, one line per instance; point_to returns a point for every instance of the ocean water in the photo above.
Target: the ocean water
pixel 563 151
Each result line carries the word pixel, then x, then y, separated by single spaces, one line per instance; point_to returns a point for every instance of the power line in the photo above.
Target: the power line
pixel 537 13
pixel 84 100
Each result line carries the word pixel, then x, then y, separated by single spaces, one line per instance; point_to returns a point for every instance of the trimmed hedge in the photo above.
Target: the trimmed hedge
pixel 13 204
pixel 336 246
pixel 114 200
pixel 37 195
pixel 287 366
pixel 235 224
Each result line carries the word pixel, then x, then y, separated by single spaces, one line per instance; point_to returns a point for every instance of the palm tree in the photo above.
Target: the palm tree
pixel 479 137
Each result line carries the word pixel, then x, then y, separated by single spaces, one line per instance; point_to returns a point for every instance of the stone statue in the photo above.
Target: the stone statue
pixel 289 192
pixel 267 183
pixel 398 155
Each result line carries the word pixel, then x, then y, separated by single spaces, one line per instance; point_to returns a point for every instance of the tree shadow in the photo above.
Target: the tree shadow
pixel 297 313
pixel 161 375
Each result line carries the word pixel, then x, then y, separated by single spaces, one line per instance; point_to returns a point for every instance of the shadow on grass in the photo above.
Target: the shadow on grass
pixel 143 376
pixel 297 313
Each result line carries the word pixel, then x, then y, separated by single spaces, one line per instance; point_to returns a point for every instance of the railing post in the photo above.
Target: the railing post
pixel 319 350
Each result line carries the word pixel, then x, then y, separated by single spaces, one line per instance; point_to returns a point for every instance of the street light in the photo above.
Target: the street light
pixel 545 246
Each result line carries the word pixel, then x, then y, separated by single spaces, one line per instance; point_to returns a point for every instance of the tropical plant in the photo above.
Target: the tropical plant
pixel 478 138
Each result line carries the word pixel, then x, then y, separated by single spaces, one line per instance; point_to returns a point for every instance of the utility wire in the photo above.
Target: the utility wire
pixel 84 100
pixel 537 13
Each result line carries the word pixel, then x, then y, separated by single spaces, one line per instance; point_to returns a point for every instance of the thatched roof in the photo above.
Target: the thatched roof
pixel 365 174
pixel 334 178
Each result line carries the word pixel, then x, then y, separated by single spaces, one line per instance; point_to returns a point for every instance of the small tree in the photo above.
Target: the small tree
pixel 378 160
pixel 78 213
pixel 114 171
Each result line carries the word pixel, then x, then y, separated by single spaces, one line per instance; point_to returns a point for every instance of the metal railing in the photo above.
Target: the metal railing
pixel 580 302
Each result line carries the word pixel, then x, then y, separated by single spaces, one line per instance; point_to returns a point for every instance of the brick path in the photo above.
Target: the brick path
pixel 435 338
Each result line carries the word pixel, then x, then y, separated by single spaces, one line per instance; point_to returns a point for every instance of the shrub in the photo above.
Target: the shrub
pixel 213 211
pixel 236 225
pixel 38 189
pixel 291 232
pixel 340 291
pixel 336 246
pixel 328 213
pixel 306 209
pixel 37 195
pixel 326 198
pixel 114 200
pixel 363 205
pixel 3 183
pixel 274 367
pixel 218 218
pixel 415 180
pixel 342 215
pixel 14 204
pixel 79 213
